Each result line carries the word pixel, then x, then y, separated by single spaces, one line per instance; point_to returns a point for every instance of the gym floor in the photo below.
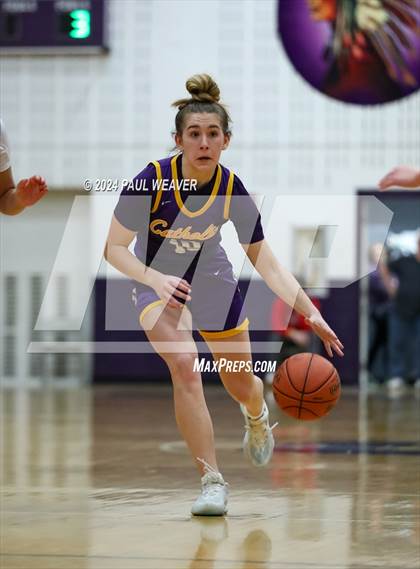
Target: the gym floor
pixel 98 478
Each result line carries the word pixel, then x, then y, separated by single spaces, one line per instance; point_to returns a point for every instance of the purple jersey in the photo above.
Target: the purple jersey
pixel 179 231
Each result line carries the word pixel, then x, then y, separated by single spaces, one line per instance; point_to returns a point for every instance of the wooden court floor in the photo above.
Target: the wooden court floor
pixel 98 479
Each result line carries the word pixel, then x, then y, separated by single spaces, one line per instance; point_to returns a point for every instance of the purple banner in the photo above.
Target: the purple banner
pixel 352 50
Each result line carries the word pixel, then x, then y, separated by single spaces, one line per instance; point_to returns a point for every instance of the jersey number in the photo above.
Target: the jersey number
pixel 182 246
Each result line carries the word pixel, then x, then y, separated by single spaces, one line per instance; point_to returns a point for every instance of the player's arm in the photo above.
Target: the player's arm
pixel 27 192
pixel 402 176
pixel 118 255
pixel 284 285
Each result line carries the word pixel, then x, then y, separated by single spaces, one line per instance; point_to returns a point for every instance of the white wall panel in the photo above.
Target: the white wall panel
pixel 70 118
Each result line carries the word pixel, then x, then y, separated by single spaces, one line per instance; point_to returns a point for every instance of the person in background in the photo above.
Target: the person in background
pixel 292 330
pixel 403 176
pixel 27 192
pixel 379 306
pixel 404 322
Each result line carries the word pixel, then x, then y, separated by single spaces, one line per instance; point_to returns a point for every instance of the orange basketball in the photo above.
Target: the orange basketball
pixel 306 386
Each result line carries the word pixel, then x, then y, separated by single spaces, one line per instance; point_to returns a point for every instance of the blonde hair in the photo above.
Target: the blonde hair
pixel 205 97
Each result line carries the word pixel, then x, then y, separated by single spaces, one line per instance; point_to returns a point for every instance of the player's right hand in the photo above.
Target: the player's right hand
pixel 169 288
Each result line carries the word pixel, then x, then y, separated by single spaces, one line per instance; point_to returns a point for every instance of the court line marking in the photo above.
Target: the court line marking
pixel 374 448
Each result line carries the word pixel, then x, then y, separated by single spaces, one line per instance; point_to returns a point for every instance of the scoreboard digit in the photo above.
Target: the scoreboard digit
pixel 52 26
pixel 79 24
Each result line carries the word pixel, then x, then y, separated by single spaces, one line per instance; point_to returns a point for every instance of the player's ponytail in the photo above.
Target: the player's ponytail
pixel 205 97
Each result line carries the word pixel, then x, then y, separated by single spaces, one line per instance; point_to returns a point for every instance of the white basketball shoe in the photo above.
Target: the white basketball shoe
pixel 258 440
pixel 214 493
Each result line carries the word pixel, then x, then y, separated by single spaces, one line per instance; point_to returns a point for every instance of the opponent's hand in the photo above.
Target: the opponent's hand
pixel 30 190
pixel 328 337
pixel 169 288
pixel 402 176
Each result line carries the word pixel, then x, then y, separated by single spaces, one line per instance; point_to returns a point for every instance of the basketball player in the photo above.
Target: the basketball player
pixel 183 278
pixel 27 192
pixel 403 176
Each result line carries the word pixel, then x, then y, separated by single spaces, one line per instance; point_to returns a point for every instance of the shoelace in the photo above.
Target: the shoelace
pixel 208 469
pixel 211 480
pixel 259 435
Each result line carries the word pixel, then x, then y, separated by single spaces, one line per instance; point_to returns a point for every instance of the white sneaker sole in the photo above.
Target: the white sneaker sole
pixel 209 510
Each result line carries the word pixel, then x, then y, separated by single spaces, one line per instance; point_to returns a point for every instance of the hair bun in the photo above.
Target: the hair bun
pixel 203 88
pixel 204 98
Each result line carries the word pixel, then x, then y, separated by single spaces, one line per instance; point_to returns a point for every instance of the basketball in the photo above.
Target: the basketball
pixel 306 386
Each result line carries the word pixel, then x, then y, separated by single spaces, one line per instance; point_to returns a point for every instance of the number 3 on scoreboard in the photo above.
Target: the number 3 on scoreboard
pixel 80 23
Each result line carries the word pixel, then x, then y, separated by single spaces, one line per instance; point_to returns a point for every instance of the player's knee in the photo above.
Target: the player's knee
pixel 182 368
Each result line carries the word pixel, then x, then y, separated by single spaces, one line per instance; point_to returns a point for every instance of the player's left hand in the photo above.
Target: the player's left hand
pixel 30 190
pixel 328 337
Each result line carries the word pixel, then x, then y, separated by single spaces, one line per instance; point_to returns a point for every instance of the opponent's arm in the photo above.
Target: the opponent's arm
pixel 403 176
pixel 118 255
pixel 284 285
pixel 27 192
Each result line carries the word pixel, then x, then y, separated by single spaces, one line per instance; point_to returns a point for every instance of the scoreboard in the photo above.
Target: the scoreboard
pixel 52 26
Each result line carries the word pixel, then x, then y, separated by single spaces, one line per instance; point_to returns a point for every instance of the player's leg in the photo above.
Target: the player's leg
pixel 398 339
pixel 416 351
pixel 224 324
pixel 242 384
pixel 191 412
pixel 246 388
